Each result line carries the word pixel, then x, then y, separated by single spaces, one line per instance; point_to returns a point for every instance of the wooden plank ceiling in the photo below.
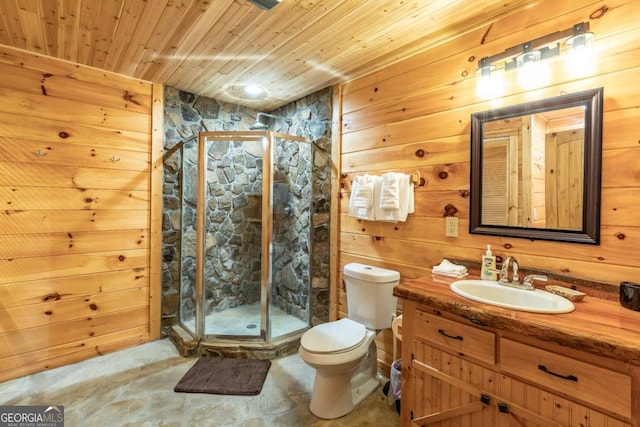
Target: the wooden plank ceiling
pixel 215 47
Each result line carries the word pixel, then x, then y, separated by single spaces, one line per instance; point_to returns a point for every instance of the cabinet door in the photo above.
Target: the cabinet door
pixel 530 406
pixel 446 386
pixel 448 390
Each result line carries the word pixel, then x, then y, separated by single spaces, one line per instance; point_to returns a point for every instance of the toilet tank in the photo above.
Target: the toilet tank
pixel 370 299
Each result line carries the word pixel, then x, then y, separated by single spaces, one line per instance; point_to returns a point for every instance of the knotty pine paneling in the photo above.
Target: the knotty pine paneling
pixel 63 354
pixel 78 177
pixel 56 175
pixel 32 339
pixel 93 136
pixel 68 309
pixel 17 294
pixel 415 115
pixel 24 103
pixel 49 198
pixel 30 245
pixel 25 269
pixel 134 98
pixel 68 153
pixel 17 222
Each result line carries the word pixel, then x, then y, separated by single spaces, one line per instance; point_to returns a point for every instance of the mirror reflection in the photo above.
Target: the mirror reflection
pixel 535 169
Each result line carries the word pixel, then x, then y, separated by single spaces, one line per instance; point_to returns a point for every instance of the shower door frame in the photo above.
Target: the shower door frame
pixel 268 139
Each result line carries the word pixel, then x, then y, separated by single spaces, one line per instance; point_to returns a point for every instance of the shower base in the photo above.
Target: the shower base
pixel 244 324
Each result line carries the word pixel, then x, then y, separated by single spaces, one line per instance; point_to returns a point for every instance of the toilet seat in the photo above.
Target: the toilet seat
pixel 333 337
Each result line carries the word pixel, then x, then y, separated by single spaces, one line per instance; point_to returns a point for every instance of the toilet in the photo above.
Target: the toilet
pixel 343 352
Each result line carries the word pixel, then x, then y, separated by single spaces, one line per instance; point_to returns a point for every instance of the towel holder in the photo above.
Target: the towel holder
pixel 416 179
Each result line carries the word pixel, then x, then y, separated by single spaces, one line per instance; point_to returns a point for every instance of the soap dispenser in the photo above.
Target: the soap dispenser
pixel 488 266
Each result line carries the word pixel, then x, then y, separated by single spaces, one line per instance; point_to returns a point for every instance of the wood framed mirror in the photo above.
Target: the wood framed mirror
pixel 535 169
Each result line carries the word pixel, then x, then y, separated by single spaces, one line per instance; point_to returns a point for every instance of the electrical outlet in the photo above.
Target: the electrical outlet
pixel 451 226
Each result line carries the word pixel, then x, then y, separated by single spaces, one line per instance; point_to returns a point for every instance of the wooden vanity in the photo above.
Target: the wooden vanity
pixel 471 364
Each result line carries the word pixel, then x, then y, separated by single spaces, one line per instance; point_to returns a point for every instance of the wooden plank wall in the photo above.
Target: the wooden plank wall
pixel 76 156
pixel 415 115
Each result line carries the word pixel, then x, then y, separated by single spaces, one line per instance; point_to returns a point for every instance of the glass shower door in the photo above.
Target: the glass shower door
pixel 291 232
pixel 232 240
pixel 188 155
pixel 245 248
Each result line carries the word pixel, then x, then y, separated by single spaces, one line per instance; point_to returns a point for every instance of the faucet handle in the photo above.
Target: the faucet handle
pixel 504 270
pixel 515 278
pixel 528 280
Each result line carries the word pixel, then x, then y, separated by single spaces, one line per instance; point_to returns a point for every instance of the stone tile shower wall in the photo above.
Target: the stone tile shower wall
pixel 237 231
pixel 232 259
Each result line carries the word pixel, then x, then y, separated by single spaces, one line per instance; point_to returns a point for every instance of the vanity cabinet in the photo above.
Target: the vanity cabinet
pixel 458 373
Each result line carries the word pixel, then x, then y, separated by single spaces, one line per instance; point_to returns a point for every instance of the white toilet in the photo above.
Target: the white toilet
pixel 343 352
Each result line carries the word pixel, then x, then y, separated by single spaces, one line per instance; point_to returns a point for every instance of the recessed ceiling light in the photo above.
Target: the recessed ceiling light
pixel 246 91
pixel 253 90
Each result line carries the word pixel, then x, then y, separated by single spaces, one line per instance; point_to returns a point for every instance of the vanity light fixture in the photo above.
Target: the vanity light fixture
pixel 528 60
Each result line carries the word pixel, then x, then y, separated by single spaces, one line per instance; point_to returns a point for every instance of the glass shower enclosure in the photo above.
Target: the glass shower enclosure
pixel 245 247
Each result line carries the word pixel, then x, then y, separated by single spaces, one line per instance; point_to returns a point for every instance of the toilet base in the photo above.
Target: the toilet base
pixel 337 393
pixel 364 390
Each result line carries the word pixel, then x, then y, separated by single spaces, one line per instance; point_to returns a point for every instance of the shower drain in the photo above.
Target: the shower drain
pixel 252 326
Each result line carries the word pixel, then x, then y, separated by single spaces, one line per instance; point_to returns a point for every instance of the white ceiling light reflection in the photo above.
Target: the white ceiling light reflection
pixel 253 91
pixel 246 91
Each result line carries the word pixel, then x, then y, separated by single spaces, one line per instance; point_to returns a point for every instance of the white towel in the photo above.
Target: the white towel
pixel 447 268
pixel 456 275
pixel 363 196
pixel 403 198
pixel 390 191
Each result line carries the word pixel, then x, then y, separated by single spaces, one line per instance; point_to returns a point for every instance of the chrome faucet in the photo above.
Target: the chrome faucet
pixel 526 284
pixel 504 273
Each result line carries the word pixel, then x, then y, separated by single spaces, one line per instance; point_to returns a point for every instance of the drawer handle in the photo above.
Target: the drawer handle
pixel 567 377
pixel 457 337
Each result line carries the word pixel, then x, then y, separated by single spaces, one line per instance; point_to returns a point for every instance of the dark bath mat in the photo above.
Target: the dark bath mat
pixel 219 375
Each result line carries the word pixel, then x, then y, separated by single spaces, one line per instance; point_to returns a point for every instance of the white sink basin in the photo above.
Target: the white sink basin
pixel 489 292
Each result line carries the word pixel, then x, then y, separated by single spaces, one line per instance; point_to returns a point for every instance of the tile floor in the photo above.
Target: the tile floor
pixel 134 387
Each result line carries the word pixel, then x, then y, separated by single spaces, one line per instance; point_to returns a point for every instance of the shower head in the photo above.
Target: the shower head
pixel 258 125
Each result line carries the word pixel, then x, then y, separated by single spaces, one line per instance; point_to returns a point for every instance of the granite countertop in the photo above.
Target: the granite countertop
pixel 598 326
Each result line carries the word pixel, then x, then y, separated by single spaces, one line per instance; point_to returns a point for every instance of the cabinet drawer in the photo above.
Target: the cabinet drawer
pixel 598 386
pixel 456 337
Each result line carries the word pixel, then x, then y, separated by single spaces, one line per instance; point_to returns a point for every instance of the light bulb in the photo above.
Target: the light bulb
pixel 579 55
pixel 532 73
pixel 489 83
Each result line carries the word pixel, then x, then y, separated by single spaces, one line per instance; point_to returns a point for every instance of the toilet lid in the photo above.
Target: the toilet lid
pixel 332 337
